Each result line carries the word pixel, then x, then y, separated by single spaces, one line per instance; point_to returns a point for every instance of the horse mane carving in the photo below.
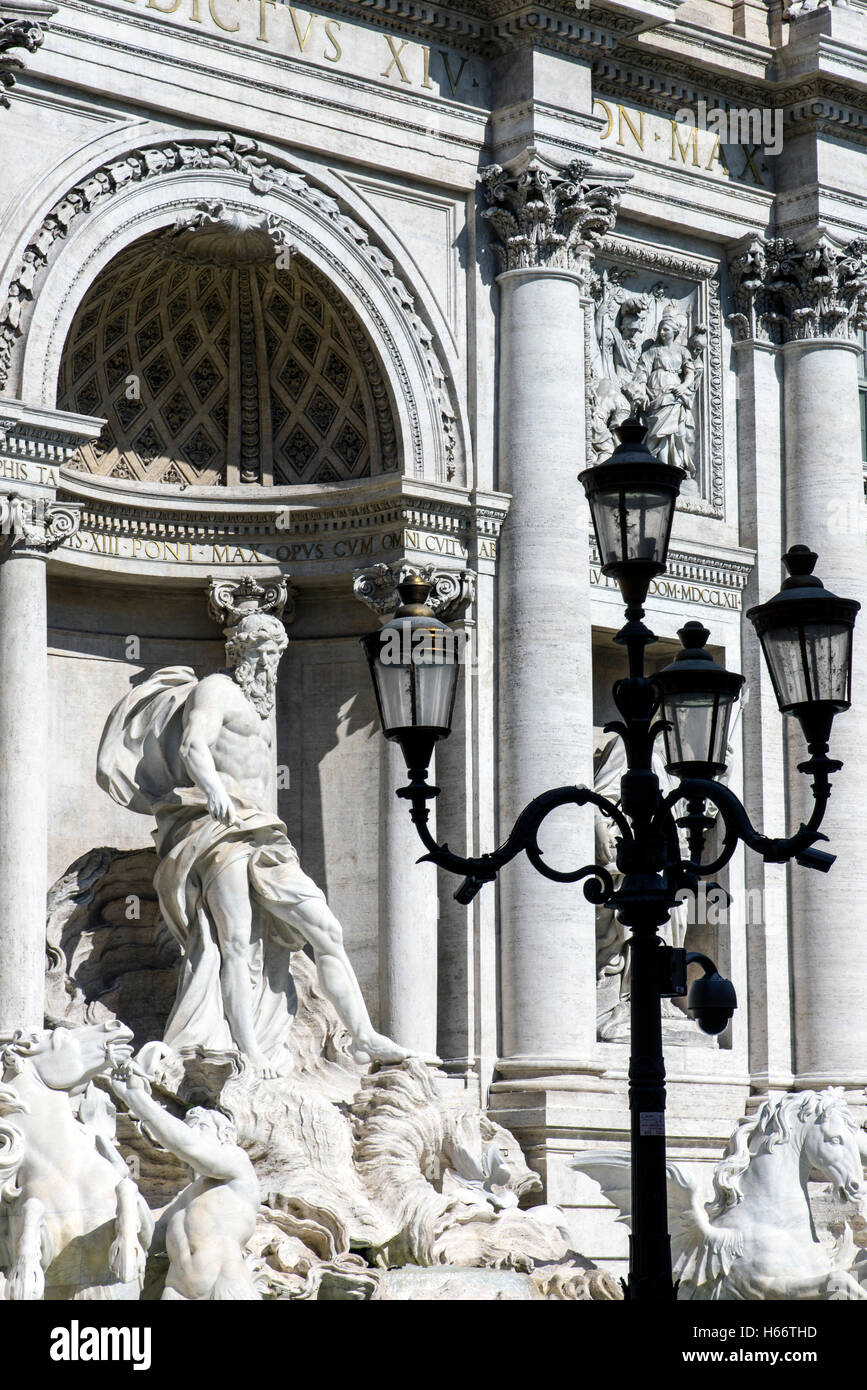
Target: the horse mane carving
pixel 771 1125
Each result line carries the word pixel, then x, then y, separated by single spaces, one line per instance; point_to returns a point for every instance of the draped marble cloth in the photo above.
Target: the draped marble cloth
pixel 140 767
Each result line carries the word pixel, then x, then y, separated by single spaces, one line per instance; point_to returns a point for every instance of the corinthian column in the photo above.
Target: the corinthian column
pixel 811 296
pixel 545 223
pixel 31 529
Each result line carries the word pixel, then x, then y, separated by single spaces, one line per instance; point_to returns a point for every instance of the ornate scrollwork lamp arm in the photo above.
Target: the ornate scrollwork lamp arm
pixel 523 837
pixel 739 827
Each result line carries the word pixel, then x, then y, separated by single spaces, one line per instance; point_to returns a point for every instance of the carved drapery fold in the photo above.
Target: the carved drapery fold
pixel 547 218
pixel 794 291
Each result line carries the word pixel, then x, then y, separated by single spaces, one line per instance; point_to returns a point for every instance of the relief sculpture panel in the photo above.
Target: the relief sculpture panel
pixel 654 353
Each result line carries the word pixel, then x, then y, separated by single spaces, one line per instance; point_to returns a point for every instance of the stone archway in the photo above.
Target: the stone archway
pixel 219 356
pixel 144 190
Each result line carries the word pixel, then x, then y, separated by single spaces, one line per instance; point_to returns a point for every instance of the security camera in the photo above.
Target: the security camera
pixel 815 859
pixel 711 1000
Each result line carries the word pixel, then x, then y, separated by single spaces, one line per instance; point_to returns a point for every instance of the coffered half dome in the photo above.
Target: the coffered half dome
pixel 219 357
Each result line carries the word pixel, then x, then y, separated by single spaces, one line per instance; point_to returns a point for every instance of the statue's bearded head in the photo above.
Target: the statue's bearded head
pixel 254 651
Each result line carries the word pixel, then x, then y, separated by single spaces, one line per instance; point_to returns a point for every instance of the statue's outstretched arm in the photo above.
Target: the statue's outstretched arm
pixel 203 1152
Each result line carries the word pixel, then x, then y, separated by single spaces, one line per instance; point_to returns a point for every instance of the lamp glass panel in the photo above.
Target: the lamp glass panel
pixel 395 695
pixel 435 690
pixel 808 663
pixel 632 525
pixel 700 728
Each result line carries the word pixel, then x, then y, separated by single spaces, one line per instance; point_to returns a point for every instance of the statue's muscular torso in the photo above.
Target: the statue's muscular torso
pixel 239 739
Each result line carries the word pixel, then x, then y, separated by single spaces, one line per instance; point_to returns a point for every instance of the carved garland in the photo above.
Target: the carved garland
pixel 639 256
pixel 226 152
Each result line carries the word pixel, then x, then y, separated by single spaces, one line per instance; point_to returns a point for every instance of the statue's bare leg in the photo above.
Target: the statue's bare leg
pixel 228 902
pixel 317 923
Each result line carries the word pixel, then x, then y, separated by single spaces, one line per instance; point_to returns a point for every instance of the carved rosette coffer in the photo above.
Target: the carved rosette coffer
pixel 787 291
pixel 545 218
pixel 453 590
pixel 230 600
pixel 34 527
pixel 18 31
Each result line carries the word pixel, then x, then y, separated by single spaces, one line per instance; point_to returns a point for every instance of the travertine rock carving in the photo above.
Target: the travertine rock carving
pixel 359 1171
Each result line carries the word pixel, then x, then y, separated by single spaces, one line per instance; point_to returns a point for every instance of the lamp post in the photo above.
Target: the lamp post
pixel 806 635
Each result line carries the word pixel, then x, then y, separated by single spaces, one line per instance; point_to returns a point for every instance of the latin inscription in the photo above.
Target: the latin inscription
pixel 279 28
pixel 682 591
pixel 360 548
pixel 670 142
pixel 21 471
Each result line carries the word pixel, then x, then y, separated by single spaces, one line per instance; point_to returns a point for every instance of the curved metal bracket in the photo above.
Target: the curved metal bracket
pixel 738 825
pixel 523 837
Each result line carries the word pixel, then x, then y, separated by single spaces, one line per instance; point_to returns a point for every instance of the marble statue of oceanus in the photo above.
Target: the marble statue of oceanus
pixel 196 755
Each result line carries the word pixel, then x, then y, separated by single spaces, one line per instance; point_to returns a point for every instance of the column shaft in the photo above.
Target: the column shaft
pixel 545 682
pixel 24 802
pixel 407 918
pixel 825 510
pixel 760 450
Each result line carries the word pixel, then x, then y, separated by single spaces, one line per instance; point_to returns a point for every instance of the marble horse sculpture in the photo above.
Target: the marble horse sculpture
pixel 72 1222
pixel 756 1239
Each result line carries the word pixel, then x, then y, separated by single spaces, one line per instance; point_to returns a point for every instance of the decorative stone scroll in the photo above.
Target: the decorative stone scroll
pixel 548 218
pixel 17 32
pixel 453 591
pixel 794 291
pixel 33 526
pixel 230 600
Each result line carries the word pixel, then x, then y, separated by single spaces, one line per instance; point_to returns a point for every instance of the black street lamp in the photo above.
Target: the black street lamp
pixel 806 635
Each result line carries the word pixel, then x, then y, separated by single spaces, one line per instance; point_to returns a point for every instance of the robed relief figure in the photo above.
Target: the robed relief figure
pixel 198 756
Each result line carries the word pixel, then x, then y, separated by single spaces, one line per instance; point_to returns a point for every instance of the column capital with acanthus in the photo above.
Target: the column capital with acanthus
pixel 788 291
pixel 34 527
pixel 547 218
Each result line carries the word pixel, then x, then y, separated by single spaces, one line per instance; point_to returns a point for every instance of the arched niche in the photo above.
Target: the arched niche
pixel 134 195
pixel 218 357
